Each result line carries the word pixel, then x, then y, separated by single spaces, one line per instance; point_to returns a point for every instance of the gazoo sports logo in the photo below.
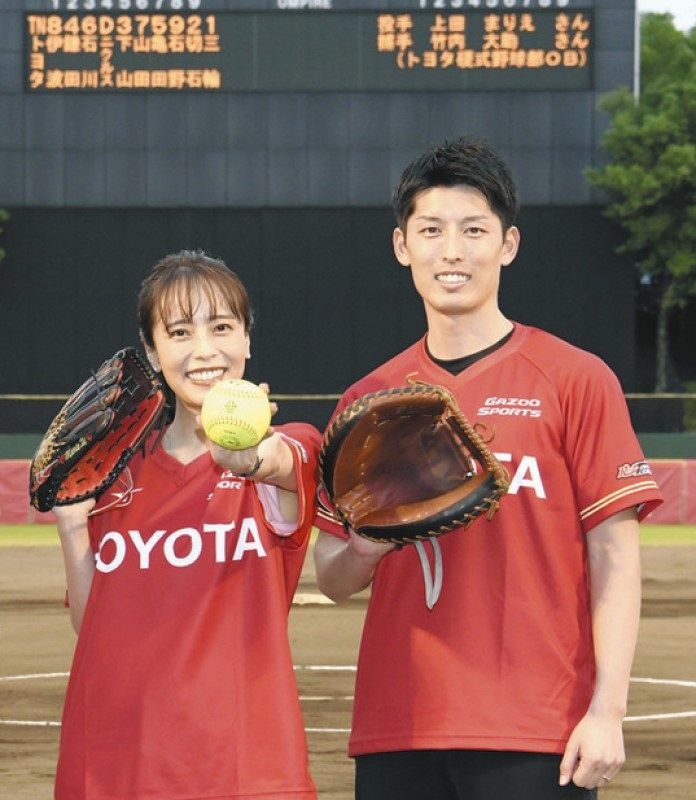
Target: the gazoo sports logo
pixel 181 547
pixel 510 407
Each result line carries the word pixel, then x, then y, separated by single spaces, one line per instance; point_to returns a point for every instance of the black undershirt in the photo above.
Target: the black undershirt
pixel 456 365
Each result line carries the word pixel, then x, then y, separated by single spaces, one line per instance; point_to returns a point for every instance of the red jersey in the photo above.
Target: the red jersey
pixel 182 685
pixel 504 660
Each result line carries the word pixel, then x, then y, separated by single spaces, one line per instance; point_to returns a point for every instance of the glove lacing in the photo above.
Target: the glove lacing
pixel 432 582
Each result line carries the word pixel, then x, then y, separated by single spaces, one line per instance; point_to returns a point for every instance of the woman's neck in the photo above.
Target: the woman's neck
pixel 184 440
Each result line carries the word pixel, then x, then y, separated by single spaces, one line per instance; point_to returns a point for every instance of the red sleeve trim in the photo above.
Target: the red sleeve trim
pixel 617 495
pixel 326 522
pixel 299 457
pixel 326 519
pixel 645 496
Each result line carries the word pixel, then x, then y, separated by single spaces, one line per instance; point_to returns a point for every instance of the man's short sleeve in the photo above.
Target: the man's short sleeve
pixel 609 470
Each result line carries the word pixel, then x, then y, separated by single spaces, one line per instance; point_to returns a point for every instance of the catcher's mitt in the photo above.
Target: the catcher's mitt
pixel 404 464
pixel 96 432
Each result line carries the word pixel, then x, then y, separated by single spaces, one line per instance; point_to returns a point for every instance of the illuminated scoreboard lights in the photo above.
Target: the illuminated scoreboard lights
pixel 501 43
pixel 315 51
pixel 83 52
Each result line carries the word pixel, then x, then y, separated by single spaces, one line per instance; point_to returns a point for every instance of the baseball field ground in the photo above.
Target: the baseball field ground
pixel 36 644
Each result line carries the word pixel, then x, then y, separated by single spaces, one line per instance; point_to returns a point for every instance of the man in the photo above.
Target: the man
pixel 511 681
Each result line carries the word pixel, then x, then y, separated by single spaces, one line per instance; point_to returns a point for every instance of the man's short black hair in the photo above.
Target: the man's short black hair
pixel 466 161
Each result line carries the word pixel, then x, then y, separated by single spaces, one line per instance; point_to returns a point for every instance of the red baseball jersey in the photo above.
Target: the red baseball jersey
pixel 182 684
pixel 504 660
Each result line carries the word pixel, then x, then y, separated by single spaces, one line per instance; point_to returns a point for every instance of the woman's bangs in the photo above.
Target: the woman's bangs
pixel 181 298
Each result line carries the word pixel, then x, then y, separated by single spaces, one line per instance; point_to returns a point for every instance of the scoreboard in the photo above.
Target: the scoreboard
pixel 394 50
pixel 271 133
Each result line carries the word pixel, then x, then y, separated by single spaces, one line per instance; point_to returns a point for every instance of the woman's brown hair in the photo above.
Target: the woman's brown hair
pixel 177 278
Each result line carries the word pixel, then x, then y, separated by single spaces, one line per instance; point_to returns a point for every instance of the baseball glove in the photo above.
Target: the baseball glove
pixel 404 464
pixel 96 432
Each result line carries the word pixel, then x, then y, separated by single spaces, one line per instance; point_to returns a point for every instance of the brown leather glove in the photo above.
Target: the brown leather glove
pixel 404 464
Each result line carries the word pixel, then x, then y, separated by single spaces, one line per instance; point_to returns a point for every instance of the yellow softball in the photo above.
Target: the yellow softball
pixel 236 414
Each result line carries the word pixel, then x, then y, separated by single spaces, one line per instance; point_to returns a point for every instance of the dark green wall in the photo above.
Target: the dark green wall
pixel 330 300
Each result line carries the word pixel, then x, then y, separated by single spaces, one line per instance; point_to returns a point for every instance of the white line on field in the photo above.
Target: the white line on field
pixel 325 698
pixel 329 668
pixel 690 684
pixel 322 698
pixel 676 715
pixel 327 730
pixel 36 723
pixel 297 667
pixel 324 668
pixel 34 676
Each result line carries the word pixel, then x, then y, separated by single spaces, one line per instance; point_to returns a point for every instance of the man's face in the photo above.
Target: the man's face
pixel 455 246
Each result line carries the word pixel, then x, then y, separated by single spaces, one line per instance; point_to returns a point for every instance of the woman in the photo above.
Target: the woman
pixel 180 581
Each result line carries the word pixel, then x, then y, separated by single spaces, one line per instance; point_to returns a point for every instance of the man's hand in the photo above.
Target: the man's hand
pixel 346 567
pixel 368 550
pixel 595 750
pixel 594 753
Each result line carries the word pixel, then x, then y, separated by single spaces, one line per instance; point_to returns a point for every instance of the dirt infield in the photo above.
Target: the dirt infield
pixel 36 640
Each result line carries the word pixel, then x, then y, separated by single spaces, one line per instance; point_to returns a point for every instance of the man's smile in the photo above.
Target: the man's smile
pixel 452 278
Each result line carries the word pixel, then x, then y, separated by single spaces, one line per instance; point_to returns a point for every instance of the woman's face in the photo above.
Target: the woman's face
pixel 194 354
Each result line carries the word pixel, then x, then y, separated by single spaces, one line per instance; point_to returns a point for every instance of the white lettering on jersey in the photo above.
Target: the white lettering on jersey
pixel 195 551
pixel 248 540
pixel 228 480
pixel 510 407
pixel 225 484
pixel 527 474
pixel 190 541
pixel 120 543
pixel 220 530
pixel 145 548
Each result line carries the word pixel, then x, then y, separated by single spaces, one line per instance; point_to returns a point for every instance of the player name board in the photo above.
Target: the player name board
pixel 542 50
